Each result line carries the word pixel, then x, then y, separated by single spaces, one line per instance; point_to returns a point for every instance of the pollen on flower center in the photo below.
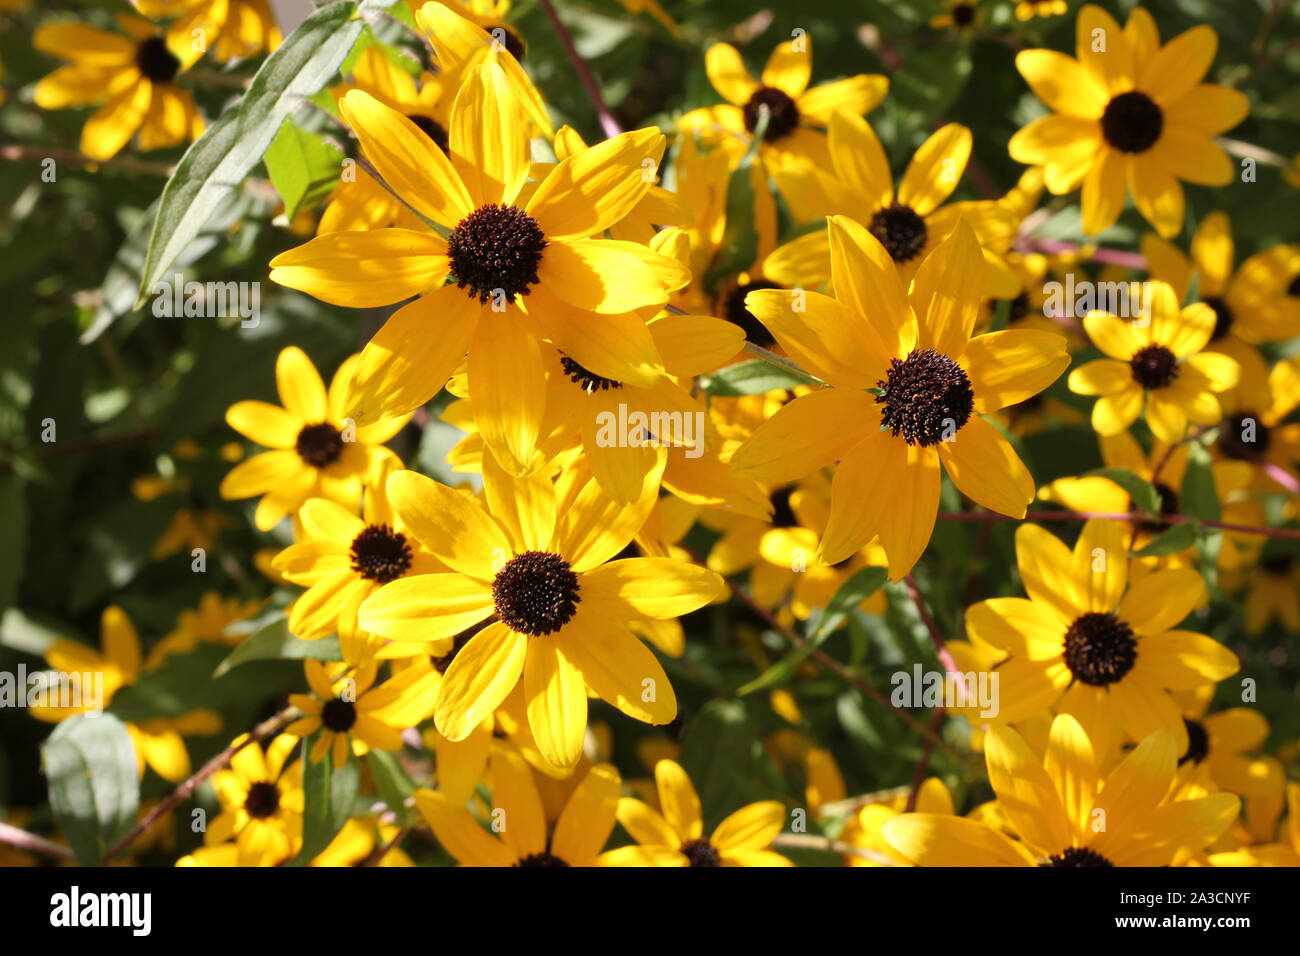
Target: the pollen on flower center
pixel 738 313
pixel 536 593
pixel 1222 318
pixel 1232 441
pixel 262 801
pixel 900 230
pixel 1099 649
pixel 588 381
pixel 496 247
pixel 1077 856
pixel 155 61
pixel 1154 366
pixel 319 445
pixel 539 859
pixel 338 715
pixel 380 554
pixel 783 114
pixel 927 397
pixel 431 128
pixel 1198 742
pixel 1132 122
pixel 701 853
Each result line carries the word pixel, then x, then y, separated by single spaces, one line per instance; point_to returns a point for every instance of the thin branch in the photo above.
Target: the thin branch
pixel 841 808
pixel 923 765
pixel 121 164
pixel 771 358
pixel 36 844
pixel 1131 260
pixel 811 841
pixel 375 858
pixel 266 728
pixel 607 121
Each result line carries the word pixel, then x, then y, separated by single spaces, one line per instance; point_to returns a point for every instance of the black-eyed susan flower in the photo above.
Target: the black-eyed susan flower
pixel 522 273
pixel 1256 427
pixel 209 621
pixel 133 76
pixel 1028 9
pixel 1155 363
pixel 1251 303
pixel 1272 590
pixel 261 803
pixel 863 828
pixel 358 841
pixel 538 558
pixel 1066 812
pixel 910 222
pixel 674 834
pixel 230 29
pixel 353 713
pixel 360 202
pixel 1129 116
pixel 342 559
pixel 316 452
pixel 909 385
pixel 160 743
pixel 960 16
pixel 1096 639
pixel 1223 750
pixel 520 819
pixel 794 141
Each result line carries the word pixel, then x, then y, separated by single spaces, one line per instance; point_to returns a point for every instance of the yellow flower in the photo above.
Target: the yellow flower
pixel 536 557
pixel 1028 9
pixel 363 203
pixel 863 828
pixel 961 16
pixel 316 451
pixel 358 840
pixel 118 664
pixel 1159 358
pixel 208 622
pixel 579 834
pixel 1217 750
pixel 1097 639
pixel 342 559
pixel 675 836
pixel 911 223
pixel 1129 116
pixel 160 743
pixel 1255 425
pixel 261 803
pixel 133 76
pixel 522 274
pixel 932 382
pixel 231 29
pixel 1054 806
pixel 1273 593
pixel 793 144
pixel 351 710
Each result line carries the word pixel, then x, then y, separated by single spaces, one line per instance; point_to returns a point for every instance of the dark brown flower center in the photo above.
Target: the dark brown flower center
pixel 513 43
pixel 927 397
pixel 1154 366
pixel 1168 506
pixel 440 664
pixel 900 230
pixel 587 381
pixel 701 853
pixel 1198 742
pixel 380 554
pixel 319 445
pixel 1077 856
pixel 1099 649
pixel 540 859
pixel 782 514
pixel 338 715
pixel 783 114
pixel 1294 287
pixel 738 313
pixel 963 14
pixel 495 252
pixel 431 128
pixel 535 593
pixel 1278 564
pixel 1132 122
pixel 1222 317
pixel 157 63
pixel 1243 437
pixel 262 801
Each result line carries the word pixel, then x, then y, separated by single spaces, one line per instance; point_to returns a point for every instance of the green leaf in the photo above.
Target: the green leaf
pixel 1199 497
pixel 330 796
pixel 274 642
pixel 94 788
pixel 1178 538
pixel 304 167
pixel 752 378
pixel 1142 492
pixel 212 169
pixel 725 760
pixel 860 586
pixel 740 236
pixel 391 780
